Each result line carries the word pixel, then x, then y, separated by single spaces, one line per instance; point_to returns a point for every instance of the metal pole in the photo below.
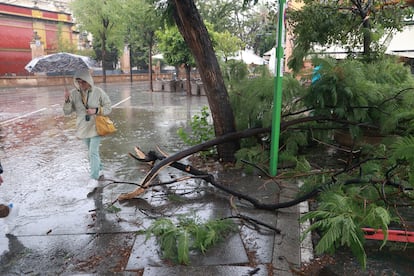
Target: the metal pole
pixel 277 98
pixel 130 63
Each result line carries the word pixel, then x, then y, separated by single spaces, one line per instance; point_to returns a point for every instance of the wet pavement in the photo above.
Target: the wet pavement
pixel 62 229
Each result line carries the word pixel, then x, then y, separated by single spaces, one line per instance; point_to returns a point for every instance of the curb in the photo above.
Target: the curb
pixel 289 251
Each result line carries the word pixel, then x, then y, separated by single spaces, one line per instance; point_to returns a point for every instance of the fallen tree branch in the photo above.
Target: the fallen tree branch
pixel 210 179
pixel 256 203
pixel 224 139
pixel 255 221
pixel 219 140
pixel 182 154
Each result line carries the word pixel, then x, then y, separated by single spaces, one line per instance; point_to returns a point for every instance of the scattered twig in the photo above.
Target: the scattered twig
pixel 255 221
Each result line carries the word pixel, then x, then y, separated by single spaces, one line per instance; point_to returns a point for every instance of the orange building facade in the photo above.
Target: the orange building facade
pixel 29 32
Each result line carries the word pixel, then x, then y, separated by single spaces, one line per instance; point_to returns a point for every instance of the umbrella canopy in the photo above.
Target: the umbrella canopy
pixel 59 63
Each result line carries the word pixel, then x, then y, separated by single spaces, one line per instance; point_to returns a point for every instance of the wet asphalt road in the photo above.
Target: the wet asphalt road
pixel 34 128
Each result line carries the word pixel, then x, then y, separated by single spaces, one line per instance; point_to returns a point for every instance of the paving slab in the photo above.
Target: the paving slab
pixel 288 249
pixel 101 254
pixel 260 270
pixel 146 253
pixel 259 241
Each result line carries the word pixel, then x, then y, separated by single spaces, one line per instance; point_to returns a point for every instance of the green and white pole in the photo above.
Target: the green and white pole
pixel 277 98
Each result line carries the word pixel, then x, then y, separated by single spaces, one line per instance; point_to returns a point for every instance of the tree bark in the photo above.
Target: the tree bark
pixel 194 32
pixel 188 78
pixel 103 49
pixel 363 11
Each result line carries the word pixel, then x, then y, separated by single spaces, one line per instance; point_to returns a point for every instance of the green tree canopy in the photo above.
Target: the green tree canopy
pixel 103 19
pixel 246 21
pixel 225 44
pixel 142 21
pixel 175 51
pixel 174 48
pixel 352 24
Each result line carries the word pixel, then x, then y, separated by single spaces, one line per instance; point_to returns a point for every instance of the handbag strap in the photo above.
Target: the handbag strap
pixel 100 106
pixel 85 101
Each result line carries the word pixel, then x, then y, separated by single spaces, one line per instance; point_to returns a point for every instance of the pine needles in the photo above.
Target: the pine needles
pixel 177 241
pixel 340 219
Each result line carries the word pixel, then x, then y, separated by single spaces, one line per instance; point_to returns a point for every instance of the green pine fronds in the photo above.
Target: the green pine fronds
pixel 399 116
pixel 403 149
pixel 403 154
pixel 168 243
pixel 202 130
pixel 205 237
pixel 159 227
pixel 378 217
pixel 357 247
pixel 340 220
pixel 165 230
pixel 176 241
pixel 183 246
pixel 294 140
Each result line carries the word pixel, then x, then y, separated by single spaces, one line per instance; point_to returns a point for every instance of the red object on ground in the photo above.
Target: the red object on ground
pixel 393 235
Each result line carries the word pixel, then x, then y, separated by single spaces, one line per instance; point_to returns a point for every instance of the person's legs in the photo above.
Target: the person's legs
pixel 93 144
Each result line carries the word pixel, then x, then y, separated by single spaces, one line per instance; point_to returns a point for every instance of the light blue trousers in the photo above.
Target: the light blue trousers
pixel 93 144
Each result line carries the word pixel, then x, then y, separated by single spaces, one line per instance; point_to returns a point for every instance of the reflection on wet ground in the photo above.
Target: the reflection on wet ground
pixel 46 166
pixel 44 161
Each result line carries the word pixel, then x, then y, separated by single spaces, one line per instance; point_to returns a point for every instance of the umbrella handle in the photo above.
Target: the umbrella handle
pixel 65 83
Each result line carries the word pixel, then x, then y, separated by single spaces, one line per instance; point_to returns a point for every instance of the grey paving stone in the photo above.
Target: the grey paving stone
pixel 146 253
pixel 260 270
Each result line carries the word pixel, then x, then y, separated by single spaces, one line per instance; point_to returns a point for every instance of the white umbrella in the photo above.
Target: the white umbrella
pixel 59 63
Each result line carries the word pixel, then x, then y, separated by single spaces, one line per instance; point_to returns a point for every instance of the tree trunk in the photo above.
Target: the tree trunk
pixel 103 58
pixel 195 34
pixel 363 12
pixel 366 25
pixel 188 78
pixel 150 68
